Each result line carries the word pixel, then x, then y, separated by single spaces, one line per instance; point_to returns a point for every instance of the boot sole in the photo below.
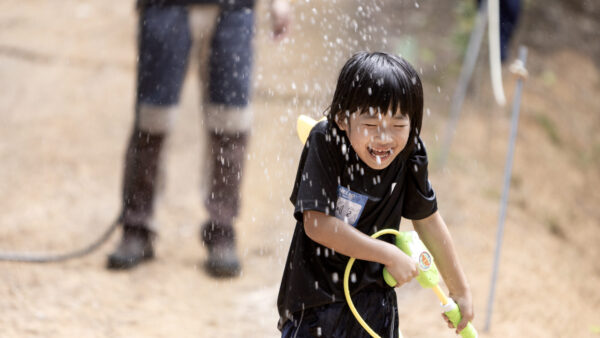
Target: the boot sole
pixel 121 263
pixel 223 270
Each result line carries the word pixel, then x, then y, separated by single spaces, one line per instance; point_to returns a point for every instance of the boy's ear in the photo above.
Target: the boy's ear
pixel 342 122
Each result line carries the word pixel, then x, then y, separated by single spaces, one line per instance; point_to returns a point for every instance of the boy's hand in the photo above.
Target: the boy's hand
pixel 465 305
pixel 402 267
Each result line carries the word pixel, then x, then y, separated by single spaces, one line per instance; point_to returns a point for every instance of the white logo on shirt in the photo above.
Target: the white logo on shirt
pixel 349 205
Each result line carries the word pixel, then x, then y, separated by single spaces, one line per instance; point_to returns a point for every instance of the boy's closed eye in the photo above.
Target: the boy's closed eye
pixel 373 125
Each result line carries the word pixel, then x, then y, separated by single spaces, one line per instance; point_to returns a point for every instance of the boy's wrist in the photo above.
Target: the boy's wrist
pixel 461 292
pixel 389 253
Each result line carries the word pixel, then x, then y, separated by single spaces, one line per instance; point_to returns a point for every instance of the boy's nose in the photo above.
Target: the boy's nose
pixel 383 136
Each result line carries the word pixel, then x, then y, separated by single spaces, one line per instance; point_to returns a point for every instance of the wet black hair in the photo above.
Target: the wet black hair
pixel 378 81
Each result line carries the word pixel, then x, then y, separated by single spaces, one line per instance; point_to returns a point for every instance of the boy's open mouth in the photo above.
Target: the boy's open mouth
pixel 380 154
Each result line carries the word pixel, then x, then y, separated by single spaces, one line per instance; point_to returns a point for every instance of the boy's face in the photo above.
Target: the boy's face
pixel 377 137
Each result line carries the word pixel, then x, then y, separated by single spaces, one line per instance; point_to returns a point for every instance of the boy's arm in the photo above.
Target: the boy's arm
pixel 434 233
pixel 347 240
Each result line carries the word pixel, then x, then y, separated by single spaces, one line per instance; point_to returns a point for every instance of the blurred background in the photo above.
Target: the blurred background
pixel 67 79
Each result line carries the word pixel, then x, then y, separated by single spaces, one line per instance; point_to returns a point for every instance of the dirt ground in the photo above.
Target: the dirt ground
pixel 67 85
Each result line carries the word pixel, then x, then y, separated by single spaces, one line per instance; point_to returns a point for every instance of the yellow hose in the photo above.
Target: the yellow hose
pixel 347 290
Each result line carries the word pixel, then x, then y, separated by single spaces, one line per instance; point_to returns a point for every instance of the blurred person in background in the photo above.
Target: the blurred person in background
pixel 509 16
pixel 224 30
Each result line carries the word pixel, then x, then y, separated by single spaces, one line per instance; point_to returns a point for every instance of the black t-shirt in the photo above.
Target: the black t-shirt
pixel 332 179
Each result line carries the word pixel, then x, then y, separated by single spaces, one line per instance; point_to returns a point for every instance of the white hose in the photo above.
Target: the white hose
pixel 494 40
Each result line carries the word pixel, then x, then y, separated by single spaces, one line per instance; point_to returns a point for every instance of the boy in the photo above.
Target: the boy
pixel 361 170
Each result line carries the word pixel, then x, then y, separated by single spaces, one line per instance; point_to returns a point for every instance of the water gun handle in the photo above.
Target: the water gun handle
pixel 452 311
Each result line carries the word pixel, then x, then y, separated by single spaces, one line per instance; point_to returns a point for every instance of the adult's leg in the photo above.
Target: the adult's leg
pixel 509 16
pixel 164 44
pixel 228 121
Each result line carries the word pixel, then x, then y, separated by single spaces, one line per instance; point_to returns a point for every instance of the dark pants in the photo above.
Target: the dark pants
pixel 378 309
pixel 164 47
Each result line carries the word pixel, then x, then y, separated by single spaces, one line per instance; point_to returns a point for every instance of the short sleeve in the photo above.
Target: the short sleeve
pixel 419 199
pixel 318 175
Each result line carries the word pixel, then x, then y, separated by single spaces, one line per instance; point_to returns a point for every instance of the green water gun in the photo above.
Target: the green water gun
pixel 429 277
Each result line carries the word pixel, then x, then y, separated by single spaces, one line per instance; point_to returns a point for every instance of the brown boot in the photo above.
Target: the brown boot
pixel 222 259
pixel 226 154
pixel 135 247
pixel 141 177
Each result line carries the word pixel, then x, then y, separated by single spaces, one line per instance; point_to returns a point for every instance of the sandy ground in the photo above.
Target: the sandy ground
pixel 67 84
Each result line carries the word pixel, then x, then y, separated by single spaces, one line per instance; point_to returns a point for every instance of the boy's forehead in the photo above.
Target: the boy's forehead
pixel 400 116
pixel 374 113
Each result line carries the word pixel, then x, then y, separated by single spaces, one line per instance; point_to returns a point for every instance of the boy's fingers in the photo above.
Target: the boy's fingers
pixel 415 273
pixel 415 270
pixel 463 323
pixel 461 326
pixel 448 322
pixel 466 309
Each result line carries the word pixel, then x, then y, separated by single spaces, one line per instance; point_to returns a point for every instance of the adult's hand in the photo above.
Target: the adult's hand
pixel 281 16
